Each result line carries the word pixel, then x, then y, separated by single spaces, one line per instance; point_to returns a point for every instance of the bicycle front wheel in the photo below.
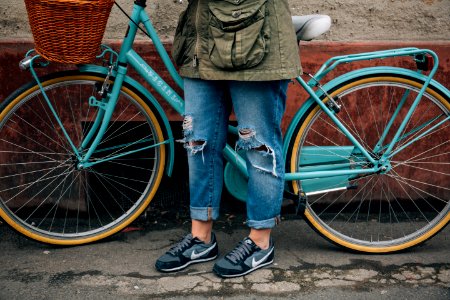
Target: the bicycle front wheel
pixel 387 211
pixel 43 193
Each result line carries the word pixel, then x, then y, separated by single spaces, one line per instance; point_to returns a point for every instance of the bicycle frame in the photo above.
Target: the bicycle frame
pixel 128 57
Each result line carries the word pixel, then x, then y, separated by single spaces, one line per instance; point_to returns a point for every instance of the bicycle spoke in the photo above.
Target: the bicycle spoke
pixel 420 168
pixel 348 202
pixel 110 194
pixel 89 201
pixel 120 177
pixel 420 161
pixel 405 181
pixel 396 206
pixel 112 136
pixel 55 206
pixel 53 127
pixel 30 184
pixel 73 117
pixel 422 115
pixel 374 115
pixel 31 151
pixel 29 139
pixel 125 147
pixel 45 199
pixel 25 173
pixel 114 122
pixel 415 135
pixel 400 182
pixel 354 132
pixel 126 165
pixel 46 192
pixel 86 117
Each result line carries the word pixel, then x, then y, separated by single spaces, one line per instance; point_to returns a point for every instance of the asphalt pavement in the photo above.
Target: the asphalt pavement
pixel 306 266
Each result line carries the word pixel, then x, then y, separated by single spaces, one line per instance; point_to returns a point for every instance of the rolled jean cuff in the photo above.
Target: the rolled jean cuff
pixel 204 213
pixel 265 224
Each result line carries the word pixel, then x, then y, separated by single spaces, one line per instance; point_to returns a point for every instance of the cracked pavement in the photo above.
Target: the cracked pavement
pixel 305 265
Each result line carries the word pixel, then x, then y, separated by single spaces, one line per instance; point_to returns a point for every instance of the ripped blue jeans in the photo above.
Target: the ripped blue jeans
pixel 259 107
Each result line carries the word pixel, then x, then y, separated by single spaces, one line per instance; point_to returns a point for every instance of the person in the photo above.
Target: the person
pixel 239 53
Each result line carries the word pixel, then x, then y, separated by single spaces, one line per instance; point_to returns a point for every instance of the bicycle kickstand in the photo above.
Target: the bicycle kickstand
pixel 294 203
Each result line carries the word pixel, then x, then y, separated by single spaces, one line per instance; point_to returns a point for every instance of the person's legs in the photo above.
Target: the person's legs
pixel 202 230
pixel 259 108
pixel 205 130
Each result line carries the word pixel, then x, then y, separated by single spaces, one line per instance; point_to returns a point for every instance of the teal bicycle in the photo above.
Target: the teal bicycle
pixel 367 155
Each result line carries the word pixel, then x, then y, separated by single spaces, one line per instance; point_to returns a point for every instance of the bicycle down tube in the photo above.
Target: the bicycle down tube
pixel 127 57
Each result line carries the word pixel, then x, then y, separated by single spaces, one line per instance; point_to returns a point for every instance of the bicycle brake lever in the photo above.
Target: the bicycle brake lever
pixel 25 63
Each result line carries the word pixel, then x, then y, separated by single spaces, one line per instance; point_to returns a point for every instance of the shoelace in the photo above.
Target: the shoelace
pixel 241 251
pixel 181 245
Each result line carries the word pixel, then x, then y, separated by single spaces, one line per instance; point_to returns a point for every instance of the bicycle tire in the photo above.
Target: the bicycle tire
pixel 42 193
pixel 333 211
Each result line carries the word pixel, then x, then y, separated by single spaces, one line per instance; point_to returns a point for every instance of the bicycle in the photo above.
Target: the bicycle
pixel 367 154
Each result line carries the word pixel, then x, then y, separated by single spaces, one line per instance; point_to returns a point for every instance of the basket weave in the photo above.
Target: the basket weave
pixel 68 31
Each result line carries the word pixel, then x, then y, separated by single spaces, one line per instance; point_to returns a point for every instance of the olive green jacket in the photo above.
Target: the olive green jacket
pixel 249 40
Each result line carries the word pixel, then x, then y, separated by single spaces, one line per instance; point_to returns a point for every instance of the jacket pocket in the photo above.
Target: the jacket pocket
pixel 178 50
pixel 179 47
pixel 238 33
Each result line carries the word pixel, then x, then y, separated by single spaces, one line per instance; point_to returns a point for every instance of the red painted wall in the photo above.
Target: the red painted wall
pixel 313 54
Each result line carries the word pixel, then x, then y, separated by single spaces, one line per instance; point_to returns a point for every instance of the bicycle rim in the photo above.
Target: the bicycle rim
pixel 384 212
pixel 44 195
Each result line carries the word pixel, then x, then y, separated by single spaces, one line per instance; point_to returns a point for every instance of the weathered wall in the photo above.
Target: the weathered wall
pixel 419 20
pixel 358 26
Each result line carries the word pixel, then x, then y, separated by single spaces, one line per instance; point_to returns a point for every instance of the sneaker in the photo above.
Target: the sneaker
pixel 245 258
pixel 188 251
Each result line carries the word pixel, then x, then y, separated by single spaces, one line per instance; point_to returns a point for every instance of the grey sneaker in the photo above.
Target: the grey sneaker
pixel 188 251
pixel 245 258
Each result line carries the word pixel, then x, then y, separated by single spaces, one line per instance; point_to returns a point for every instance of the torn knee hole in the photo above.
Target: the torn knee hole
pixel 246 133
pixel 188 123
pixel 188 130
pixel 196 143
pixel 195 146
pixel 262 148
pixel 265 159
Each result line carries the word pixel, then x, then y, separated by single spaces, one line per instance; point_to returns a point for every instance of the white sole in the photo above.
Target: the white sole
pixel 188 263
pixel 248 271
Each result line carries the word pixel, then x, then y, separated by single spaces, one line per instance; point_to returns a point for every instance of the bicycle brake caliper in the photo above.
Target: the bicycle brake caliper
pixel 103 92
pixel 332 103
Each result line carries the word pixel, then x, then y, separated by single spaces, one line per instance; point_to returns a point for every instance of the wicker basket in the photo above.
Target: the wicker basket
pixel 68 31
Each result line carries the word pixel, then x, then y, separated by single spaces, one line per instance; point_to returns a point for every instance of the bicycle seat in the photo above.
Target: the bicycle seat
pixel 310 26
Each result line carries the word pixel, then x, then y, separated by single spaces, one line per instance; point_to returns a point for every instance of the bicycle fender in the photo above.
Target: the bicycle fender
pixel 331 85
pixel 167 130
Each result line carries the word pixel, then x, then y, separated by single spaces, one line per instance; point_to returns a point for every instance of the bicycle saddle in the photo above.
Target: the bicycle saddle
pixel 310 26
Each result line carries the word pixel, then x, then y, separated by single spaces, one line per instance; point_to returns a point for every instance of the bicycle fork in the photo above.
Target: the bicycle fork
pixel 105 107
pixel 105 110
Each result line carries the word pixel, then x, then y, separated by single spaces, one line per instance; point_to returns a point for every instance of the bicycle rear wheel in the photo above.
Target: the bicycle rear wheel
pixel 43 194
pixel 384 212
